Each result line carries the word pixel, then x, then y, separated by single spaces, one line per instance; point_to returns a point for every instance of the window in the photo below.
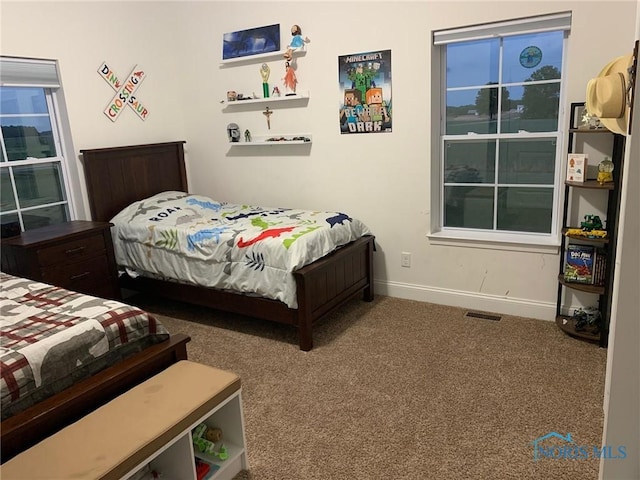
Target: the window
pixel 33 185
pixel 500 141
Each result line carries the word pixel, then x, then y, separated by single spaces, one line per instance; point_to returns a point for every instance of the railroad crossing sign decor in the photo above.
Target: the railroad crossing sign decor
pixel 124 92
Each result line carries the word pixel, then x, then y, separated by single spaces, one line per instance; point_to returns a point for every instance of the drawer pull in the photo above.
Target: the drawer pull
pixel 74 251
pixel 80 275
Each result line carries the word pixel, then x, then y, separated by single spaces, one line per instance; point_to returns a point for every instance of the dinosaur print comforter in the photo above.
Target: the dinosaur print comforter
pixel 51 338
pixel 242 248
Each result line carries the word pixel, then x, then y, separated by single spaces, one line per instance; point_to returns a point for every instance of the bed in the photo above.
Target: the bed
pixel 64 354
pixel 118 177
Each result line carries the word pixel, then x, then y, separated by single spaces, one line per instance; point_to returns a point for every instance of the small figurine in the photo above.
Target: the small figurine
pixel 264 73
pixel 590 121
pixel 296 43
pixel 247 136
pixel 290 80
pixel 591 222
pixel 276 92
pixel 204 439
pixel 587 319
pixel 233 131
pixel 605 171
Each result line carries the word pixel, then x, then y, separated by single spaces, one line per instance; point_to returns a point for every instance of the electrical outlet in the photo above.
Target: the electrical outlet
pixel 405 259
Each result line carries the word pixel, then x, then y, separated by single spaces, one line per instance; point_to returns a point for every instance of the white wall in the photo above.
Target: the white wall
pixel 383 179
pixel 622 386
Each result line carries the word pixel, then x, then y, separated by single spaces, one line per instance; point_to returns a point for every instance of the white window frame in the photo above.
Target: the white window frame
pixel 40 73
pixel 545 242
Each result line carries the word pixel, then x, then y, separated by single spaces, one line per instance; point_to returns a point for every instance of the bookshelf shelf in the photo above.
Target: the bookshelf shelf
pixel 601 271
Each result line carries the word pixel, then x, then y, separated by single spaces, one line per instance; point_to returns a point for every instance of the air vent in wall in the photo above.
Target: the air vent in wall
pixel 485 316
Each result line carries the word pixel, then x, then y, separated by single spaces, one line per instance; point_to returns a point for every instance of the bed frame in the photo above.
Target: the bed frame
pixel 119 176
pixel 42 420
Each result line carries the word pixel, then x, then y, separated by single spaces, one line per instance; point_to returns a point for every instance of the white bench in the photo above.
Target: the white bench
pixel 150 424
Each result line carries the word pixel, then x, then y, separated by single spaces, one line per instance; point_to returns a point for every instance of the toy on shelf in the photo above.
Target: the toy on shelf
pixel 297 42
pixel 605 171
pixel 205 438
pixel 290 79
pixel 587 319
pixel 591 222
pixel 578 232
pixel 233 132
pixel 264 73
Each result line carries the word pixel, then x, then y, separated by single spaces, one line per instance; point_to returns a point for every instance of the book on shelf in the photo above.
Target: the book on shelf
pixel 600 270
pixel 577 167
pixel 579 263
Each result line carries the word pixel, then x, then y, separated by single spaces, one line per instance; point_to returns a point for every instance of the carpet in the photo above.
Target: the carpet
pixel 400 389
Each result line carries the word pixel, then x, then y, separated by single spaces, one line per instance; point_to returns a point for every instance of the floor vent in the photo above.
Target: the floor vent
pixel 484 316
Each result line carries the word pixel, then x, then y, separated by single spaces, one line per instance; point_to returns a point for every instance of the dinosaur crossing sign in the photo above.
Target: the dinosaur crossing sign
pixel 124 92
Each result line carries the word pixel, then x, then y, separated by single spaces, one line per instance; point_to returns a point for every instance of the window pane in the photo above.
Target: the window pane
pixel 468 207
pixel 525 54
pixel 45 216
pixel 472 111
pixel 20 100
pixel 540 106
pixel 524 209
pixel 527 161
pixel 470 162
pixel 39 184
pixel 473 63
pixel 6 191
pixel 28 137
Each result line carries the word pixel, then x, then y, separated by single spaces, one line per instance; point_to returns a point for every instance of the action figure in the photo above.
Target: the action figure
pixel 296 42
pixel 290 80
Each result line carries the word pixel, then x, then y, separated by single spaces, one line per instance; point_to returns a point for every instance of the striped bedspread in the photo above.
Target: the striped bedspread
pixel 51 337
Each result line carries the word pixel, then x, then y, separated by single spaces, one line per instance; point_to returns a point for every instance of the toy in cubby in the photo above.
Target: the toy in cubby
pixel 205 438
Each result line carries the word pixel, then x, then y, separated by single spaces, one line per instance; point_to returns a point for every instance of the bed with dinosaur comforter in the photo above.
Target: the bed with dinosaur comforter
pixel 288 266
pixel 244 248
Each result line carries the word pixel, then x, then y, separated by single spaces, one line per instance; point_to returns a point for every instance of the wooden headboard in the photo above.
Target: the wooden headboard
pixel 119 176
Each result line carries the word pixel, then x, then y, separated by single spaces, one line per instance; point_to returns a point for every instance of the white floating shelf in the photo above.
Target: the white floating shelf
pixel 258 101
pixel 260 57
pixel 272 141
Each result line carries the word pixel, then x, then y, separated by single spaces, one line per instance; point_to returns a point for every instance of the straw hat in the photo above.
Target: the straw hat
pixel 607 95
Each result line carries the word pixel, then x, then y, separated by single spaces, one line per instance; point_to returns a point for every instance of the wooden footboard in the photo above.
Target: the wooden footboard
pixel 329 282
pixel 32 425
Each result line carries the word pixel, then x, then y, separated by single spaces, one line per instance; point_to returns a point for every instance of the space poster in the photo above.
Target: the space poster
pixel 365 85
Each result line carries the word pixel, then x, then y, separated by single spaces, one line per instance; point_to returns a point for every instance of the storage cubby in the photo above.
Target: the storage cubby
pixel 176 460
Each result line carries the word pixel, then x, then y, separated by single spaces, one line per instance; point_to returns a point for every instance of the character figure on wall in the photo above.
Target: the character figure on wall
pixel 290 80
pixel 297 42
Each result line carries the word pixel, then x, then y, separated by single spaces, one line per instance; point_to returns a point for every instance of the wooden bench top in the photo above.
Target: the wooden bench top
pixel 114 439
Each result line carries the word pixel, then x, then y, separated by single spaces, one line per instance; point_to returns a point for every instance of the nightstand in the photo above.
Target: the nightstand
pixel 75 255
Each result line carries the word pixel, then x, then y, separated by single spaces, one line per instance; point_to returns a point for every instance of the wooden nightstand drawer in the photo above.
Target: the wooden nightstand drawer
pixel 71 251
pixel 76 255
pixel 86 276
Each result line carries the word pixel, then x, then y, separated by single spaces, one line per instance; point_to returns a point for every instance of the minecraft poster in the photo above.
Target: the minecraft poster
pixel 365 86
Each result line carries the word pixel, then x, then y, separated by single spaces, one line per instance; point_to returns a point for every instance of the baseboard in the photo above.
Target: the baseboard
pixel 477 301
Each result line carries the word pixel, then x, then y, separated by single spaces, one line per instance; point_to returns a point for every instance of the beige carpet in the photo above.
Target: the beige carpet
pixel 398 389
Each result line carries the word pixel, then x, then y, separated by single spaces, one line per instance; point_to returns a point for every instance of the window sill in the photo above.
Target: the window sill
pixel 513 242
